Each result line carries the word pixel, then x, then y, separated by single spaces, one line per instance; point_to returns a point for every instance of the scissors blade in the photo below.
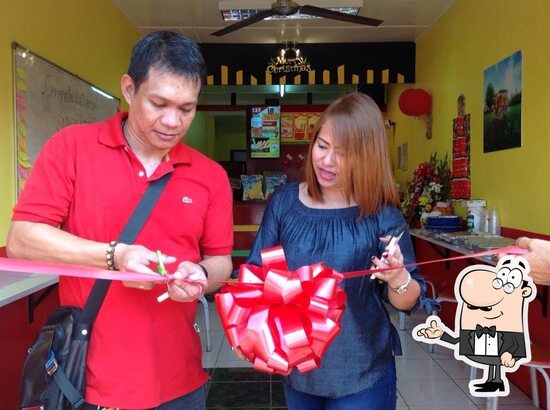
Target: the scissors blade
pixel 398 237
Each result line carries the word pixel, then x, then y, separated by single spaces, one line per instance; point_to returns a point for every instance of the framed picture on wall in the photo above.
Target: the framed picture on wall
pixel 502 104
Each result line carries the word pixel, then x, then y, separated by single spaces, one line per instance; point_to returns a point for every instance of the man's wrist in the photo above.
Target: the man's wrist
pixel 110 255
pixel 204 270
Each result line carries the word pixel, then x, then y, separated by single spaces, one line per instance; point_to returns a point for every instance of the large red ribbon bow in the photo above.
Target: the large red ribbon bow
pixel 280 319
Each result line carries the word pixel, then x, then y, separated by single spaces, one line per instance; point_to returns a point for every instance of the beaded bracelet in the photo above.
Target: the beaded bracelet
pixel 110 255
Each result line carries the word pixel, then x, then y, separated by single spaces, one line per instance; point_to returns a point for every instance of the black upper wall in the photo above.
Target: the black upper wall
pixel 357 58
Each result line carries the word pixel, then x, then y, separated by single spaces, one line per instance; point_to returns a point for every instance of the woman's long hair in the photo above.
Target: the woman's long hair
pixel 357 129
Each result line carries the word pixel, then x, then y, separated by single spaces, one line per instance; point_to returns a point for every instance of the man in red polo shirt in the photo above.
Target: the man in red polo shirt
pixel 84 186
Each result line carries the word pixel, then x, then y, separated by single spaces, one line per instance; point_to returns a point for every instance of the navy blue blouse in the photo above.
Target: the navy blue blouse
pixel 359 355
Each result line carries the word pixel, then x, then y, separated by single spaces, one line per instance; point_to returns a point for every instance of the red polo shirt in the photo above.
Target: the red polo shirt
pixel 87 180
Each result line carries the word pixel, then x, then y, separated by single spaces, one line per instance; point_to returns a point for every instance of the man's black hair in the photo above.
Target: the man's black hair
pixel 168 51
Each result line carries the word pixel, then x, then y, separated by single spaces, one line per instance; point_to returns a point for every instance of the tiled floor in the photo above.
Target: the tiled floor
pixel 424 380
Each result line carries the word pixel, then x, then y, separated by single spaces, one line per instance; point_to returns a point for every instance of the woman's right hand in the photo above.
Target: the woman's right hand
pixel 394 277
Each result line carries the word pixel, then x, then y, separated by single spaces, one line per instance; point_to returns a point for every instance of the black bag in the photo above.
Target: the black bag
pixel 54 372
pixel 58 352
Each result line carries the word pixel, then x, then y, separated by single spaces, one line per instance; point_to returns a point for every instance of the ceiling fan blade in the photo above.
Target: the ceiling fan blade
pixel 243 23
pixel 335 15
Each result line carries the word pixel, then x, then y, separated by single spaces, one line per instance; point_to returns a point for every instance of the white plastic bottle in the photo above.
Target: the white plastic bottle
pixel 474 218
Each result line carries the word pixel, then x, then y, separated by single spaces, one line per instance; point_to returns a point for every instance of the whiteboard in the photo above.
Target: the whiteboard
pixel 46 99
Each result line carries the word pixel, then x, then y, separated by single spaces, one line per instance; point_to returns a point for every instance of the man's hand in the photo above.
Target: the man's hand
pixel 432 332
pixel 507 360
pixel 189 283
pixel 137 258
pixel 538 258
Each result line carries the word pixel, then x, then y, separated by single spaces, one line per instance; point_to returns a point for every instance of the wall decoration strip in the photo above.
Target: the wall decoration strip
pixel 385 76
pixel 341 74
pixel 370 77
pixel 337 63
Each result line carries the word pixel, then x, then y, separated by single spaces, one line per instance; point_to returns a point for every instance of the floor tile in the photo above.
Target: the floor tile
pixel 277 395
pixel 429 392
pixel 516 396
pixel 456 369
pixel 228 358
pixel 469 406
pixel 425 380
pixel 209 358
pixel 412 350
pixel 239 395
pixel 414 369
pixel 400 401
pixel 239 374
pixel 234 363
pixel 440 352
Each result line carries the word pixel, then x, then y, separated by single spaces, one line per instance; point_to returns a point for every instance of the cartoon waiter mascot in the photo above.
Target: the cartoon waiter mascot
pixel 491 321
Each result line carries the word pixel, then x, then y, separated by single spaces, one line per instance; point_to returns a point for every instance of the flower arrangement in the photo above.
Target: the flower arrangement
pixel 431 184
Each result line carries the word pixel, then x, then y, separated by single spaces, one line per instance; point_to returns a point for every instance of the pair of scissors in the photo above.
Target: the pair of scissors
pixel 161 270
pixel 391 248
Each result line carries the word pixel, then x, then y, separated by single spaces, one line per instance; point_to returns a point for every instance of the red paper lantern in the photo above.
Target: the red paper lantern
pixel 415 102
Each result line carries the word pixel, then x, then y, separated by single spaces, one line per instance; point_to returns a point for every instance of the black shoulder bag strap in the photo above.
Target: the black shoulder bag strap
pixel 128 235
pixel 101 286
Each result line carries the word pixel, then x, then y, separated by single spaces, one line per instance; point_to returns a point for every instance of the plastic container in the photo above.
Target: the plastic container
pixel 444 223
pixel 476 219
pixel 493 221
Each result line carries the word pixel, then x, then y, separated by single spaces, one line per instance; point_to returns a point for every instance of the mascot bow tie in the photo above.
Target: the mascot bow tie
pixel 484 330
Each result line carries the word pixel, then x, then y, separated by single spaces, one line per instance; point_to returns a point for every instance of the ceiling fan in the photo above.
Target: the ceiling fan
pixel 288 7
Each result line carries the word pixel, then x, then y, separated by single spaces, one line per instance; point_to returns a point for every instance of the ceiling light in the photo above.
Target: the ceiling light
pixel 241 14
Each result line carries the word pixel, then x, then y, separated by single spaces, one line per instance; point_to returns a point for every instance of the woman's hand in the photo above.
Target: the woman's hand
pixel 189 283
pixel 394 277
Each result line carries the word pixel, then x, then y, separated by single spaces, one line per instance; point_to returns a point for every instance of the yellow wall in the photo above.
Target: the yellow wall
pixel 470 37
pixel 411 130
pixel 92 39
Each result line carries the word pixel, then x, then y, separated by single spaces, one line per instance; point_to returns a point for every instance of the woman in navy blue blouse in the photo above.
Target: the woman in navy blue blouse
pixel 342 215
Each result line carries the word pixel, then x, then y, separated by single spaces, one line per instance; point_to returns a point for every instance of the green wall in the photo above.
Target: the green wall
pixel 470 37
pixel 216 133
pixel 230 134
pixel 196 136
pixel 91 39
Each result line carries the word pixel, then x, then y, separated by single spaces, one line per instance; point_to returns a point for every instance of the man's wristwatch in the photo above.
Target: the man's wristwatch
pixel 403 288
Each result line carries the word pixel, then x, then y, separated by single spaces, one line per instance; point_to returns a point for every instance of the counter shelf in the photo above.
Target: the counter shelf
pixel 444 249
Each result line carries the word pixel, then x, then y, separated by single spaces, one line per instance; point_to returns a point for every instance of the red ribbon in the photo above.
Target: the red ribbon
pixel 507 250
pixel 280 319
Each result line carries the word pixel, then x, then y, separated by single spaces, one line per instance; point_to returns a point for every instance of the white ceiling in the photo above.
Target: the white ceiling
pixel 404 20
